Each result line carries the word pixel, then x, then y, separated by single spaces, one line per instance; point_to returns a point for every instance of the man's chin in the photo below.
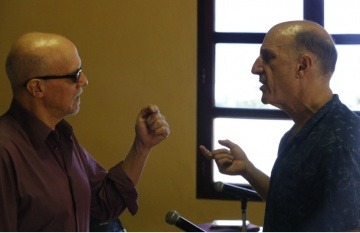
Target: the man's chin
pixel 74 111
pixel 264 100
pixel 267 101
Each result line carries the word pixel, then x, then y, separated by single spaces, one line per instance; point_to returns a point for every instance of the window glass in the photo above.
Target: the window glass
pixel 235 85
pixel 346 80
pixel 254 15
pixel 342 16
pixel 258 138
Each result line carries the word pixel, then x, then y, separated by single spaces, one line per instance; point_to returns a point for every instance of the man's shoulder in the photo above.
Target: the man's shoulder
pixel 10 130
pixel 341 116
pixel 342 128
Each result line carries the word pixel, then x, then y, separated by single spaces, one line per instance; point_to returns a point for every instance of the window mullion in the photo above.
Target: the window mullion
pixel 314 11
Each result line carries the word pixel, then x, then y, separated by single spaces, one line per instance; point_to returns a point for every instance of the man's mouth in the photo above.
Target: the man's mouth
pixel 263 82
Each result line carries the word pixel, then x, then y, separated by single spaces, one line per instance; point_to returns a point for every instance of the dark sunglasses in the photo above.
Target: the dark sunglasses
pixel 73 76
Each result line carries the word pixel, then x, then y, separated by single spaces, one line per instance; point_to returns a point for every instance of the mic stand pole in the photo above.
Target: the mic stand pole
pixel 243 213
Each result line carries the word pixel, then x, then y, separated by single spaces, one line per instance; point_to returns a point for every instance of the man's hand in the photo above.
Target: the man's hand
pixel 151 127
pixel 231 161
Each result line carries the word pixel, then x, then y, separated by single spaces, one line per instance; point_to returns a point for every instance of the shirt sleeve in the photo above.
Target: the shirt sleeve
pixel 8 203
pixel 123 182
pixel 111 192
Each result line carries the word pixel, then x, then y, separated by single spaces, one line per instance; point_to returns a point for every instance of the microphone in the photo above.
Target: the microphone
pixel 236 190
pixel 173 218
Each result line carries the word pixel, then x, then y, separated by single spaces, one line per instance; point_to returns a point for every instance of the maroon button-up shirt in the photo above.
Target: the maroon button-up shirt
pixel 49 182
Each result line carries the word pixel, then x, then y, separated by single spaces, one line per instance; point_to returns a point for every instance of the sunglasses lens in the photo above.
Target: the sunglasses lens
pixel 78 74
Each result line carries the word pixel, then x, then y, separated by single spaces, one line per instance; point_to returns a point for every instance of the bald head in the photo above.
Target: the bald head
pixel 307 36
pixel 36 54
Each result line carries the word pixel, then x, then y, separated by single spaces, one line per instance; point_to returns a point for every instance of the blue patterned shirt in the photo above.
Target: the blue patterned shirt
pixel 315 181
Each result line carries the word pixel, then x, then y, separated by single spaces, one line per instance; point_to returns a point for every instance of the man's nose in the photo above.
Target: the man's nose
pixel 83 81
pixel 257 67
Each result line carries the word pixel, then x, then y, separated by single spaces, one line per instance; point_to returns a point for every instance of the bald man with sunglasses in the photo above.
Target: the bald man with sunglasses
pixel 48 181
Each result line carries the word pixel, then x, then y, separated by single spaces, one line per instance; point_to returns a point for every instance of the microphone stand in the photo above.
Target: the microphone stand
pixel 244 201
pixel 243 193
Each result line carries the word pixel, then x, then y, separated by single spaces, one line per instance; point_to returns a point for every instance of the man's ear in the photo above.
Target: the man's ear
pixel 305 63
pixel 35 88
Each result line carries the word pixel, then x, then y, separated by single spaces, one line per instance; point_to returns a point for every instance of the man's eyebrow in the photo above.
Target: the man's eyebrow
pixel 267 51
pixel 267 55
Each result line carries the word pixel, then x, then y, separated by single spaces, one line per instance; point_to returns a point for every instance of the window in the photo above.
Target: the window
pixel 230 33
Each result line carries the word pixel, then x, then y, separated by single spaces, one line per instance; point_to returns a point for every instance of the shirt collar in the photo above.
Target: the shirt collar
pixel 317 117
pixel 36 130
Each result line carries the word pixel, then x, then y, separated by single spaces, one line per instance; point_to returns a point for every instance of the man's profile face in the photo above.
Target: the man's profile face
pixel 62 96
pixel 276 69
